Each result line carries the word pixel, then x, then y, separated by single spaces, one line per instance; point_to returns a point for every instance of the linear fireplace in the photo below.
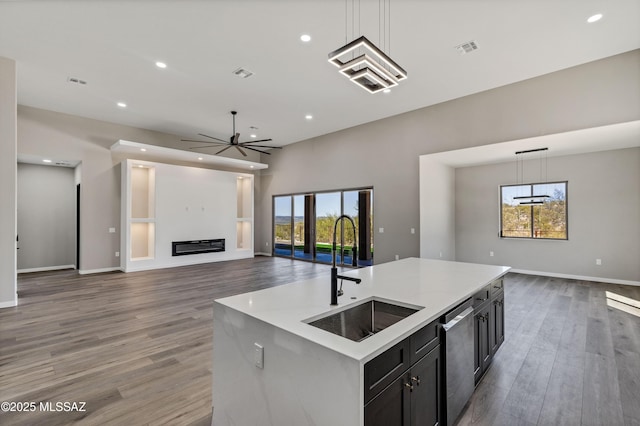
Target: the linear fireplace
pixel 182 248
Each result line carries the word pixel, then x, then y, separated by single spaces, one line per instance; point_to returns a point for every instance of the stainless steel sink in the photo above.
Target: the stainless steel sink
pixel 363 320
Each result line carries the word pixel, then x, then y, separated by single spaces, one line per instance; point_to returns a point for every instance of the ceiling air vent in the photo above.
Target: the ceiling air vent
pixel 243 73
pixel 467 47
pixel 75 80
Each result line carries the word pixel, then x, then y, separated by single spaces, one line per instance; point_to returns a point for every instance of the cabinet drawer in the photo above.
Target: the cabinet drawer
pixel 385 368
pixel 424 340
pixel 496 287
pixel 482 296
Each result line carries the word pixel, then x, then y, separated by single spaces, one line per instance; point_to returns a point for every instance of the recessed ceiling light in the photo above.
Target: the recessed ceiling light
pixel 253 135
pixel 161 64
pixel 251 167
pixel 386 91
pixel 239 177
pixel 143 149
pixel 141 166
pixel 594 18
pixel 200 158
pixel 122 105
pixel 305 38
pixel 46 161
pixel 308 116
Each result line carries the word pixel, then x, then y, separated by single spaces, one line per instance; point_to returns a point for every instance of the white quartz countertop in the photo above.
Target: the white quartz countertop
pixel 435 285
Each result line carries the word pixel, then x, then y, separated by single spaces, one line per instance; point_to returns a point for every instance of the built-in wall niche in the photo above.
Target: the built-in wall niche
pixel 142 212
pixel 142 241
pixel 244 213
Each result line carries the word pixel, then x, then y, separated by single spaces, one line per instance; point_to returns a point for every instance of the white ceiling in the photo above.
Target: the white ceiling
pixel 113 45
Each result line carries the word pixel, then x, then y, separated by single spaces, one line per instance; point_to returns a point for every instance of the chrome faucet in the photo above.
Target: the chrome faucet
pixel 334 270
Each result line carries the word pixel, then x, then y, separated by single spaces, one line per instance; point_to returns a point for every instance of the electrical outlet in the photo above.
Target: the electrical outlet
pixel 491 253
pixel 258 355
pixel 599 262
pixel 112 230
pixel 441 254
pixel 397 257
pixel 413 230
pixel 117 254
pixel 381 230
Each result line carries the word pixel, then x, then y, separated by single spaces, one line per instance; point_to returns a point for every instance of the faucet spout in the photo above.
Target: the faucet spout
pixel 334 270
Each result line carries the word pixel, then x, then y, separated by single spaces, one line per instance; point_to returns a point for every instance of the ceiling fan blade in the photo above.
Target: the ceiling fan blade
pixel 261 140
pixel 257 150
pixel 207 142
pixel 209 146
pixel 223 149
pixel 240 149
pixel 211 137
pixel 261 146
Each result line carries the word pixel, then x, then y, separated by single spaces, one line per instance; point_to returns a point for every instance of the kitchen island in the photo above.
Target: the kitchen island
pixel 271 367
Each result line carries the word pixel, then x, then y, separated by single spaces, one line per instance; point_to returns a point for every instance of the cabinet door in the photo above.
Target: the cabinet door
pixel 391 407
pixel 497 326
pixel 385 368
pixel 426 387
pixel 482 344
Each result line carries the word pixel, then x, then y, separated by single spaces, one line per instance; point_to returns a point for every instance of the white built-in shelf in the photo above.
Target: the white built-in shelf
pixel 134 150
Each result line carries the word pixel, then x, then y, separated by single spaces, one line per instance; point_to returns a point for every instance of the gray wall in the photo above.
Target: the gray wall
pixel 384 154
pixel 437 210
pixel 46 216
pixel 603 216
pixel 8 97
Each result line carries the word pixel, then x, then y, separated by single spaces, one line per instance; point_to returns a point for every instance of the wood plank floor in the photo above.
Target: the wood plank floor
pixel 137 347
pixel 571 357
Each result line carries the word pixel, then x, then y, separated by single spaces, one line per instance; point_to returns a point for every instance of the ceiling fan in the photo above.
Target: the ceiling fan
pixel 233 142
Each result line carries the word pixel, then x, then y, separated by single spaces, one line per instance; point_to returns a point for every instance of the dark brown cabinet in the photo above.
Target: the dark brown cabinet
pixel 403 384
pixel 488 326
pixel 482 344
pixel 497 326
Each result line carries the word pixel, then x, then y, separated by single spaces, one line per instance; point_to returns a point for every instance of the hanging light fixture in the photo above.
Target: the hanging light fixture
pixel 363 62
pixel 530 200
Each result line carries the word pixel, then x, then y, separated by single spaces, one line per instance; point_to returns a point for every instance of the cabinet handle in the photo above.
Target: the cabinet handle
pixel 416 379
pixel 410 386
pixel 497 286
pixel 480 299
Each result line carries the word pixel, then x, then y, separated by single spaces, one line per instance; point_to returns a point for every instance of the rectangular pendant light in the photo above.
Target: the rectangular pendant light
pixel 531 203
pixel 373 70
pixel 531 197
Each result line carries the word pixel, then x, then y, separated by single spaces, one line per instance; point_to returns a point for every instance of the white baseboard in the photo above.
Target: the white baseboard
pixel 9 304
pixel 45 268
pixel 198 259
pixel 576 277
pixel 98 271
pixel 262 254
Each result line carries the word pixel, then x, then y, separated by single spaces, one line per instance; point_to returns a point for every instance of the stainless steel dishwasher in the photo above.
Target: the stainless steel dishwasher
pixel 458 362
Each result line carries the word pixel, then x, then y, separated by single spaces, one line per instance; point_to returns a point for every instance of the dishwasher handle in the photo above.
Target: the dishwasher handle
pixel 459 318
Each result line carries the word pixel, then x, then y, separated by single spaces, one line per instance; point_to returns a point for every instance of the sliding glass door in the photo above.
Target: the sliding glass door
pixel 282 226
pixel 304 224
